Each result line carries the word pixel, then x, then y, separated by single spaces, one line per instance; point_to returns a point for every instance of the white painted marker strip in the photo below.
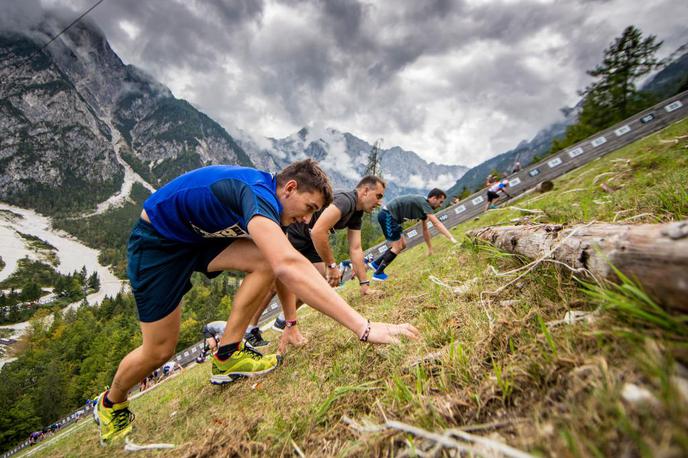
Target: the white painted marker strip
pixel 575 152
pixel 598 141
pixel 673 106
pixel 622 130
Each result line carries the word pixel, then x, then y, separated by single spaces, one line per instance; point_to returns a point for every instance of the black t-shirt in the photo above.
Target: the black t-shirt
pixel 351 218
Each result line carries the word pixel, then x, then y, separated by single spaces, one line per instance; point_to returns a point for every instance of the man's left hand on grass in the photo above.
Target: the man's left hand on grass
pixel 291 336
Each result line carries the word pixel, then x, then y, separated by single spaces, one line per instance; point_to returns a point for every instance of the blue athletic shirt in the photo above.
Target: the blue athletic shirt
pixel 216 201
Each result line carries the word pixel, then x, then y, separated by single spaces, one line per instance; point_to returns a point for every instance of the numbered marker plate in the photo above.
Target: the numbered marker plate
pixel 622 130
pixel 412 233
pixel 382 249
pixel 576 152
pixel 514 182
pixel 598 141
pixel 460 209
pixel 443 217
pixel 534 172
pixel 554 162
pixel 673 106
pixel 478 200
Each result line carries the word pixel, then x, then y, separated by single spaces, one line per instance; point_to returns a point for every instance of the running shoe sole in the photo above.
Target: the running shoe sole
pixel 379 279
pixel 221 379
pixel 276 328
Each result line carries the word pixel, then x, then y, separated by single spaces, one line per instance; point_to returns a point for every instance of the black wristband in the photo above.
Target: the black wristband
pixel 365 282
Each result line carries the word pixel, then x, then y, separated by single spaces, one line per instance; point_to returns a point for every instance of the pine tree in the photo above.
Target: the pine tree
pixel 613 96
pixel 94 282
pixel 626 60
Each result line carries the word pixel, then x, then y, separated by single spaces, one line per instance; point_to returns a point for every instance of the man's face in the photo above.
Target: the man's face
pixel 436 201
pixel 298 206
pixel 371 197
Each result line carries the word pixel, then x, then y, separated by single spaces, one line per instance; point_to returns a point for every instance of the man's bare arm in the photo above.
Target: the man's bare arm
pixel 321 230
pixel 321 242
pixel 426 235
pixel 356 254
pixel 441 228
pixel 302 278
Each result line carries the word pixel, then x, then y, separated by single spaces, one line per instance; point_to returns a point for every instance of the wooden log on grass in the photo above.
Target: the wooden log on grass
pixel 656 255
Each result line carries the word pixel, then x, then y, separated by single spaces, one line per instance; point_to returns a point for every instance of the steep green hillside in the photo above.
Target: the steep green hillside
pixel 549 390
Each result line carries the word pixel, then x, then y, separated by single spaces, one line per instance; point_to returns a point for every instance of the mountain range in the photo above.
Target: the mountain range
pixel 78 126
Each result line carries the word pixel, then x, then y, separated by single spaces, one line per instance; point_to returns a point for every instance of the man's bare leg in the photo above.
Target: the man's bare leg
pixel 292 335
pixel 253 336
pixel 243 255
pixel 263 305
pixel 159 341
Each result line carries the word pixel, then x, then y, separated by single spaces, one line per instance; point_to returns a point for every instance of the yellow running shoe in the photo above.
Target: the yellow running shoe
pixel 114 422
pixel 245 362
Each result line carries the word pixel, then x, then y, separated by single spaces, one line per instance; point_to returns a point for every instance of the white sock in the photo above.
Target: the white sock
pixel 281 317
pixel 251 328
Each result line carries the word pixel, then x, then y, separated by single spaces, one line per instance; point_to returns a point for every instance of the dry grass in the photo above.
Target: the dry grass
pixel 555 392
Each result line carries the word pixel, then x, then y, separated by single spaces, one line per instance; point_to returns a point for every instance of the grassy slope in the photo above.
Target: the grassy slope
pixel 551 393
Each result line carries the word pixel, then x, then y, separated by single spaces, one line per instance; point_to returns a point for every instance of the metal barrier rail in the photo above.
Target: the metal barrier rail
pixel 604 142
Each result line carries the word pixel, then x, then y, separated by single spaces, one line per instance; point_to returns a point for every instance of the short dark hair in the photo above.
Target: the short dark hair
pixel 437 192
pixel 309 177
pixel 371 181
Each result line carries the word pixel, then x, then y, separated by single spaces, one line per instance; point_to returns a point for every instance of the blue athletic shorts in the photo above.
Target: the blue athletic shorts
pixel 160 269
pixel 389 225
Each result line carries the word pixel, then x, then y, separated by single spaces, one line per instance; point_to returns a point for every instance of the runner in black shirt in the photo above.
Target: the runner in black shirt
pixel 312 240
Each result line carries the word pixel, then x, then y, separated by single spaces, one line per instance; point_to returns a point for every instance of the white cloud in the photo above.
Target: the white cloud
pixel 457 82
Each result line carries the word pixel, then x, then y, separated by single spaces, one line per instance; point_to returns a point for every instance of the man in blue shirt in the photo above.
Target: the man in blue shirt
pixel 210 220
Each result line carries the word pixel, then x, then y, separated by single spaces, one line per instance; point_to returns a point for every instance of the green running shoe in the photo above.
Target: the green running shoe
pixel 114 422
pixel 245 362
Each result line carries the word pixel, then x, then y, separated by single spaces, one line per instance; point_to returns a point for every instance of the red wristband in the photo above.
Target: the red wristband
pixel 291 323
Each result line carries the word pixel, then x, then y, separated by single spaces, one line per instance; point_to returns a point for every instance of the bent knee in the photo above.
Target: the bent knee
pixel 160 353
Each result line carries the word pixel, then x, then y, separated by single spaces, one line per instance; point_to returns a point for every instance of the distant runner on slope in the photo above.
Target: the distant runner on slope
pixel 403 208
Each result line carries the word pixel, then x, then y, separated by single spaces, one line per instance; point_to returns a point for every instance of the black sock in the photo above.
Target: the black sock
pixel 226 351
pixel 387 259
pixel 379 260
pixel 106 402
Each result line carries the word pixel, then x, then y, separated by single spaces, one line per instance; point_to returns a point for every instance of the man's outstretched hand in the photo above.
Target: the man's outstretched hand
pixel 385 333
pixel 291 336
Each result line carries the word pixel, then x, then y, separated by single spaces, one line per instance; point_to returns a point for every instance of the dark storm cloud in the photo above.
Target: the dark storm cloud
pixel 455 80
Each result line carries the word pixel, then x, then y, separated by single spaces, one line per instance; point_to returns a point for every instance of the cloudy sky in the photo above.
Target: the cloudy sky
pixel 455 81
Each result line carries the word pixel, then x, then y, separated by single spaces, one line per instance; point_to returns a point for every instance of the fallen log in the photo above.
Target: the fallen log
pixel 656 255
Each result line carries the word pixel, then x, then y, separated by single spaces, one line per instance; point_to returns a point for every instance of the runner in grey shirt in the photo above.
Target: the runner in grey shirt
pixel 312 240
pixel 404 208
